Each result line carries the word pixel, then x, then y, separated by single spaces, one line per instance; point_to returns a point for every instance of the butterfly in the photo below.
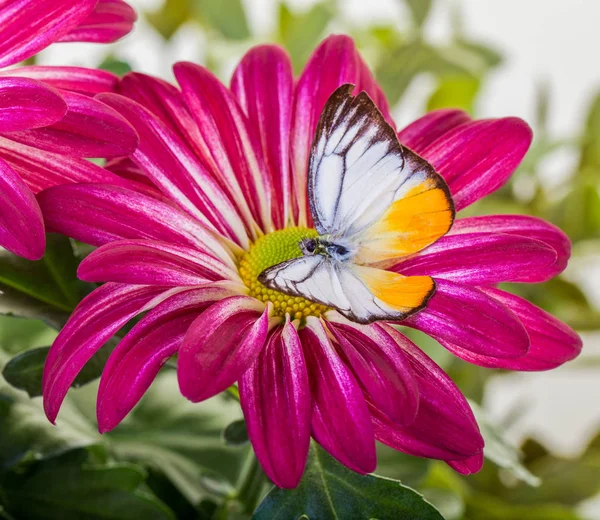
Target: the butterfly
pixel 372 202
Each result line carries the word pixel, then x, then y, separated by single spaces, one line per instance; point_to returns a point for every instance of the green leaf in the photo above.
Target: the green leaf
pixel 299 33
pixel 236 433
pixel 499 450
pixel 61 264
pixel 166 491
pixel 399 466
pixel 15 304
pixel 226 16
pixel 66 487
pixel 170 17
pixel 112 64
pixel 488 56
pixel 487 507
pixel 566 481
pixel 25 370
pixel 18 334
pixel 329 490
pixel 455 92
pixel 51 281
pixel 26 433
pixel 419 10
pixel 179 438
pixel 578 214
pixel 407 60
pixel 590 151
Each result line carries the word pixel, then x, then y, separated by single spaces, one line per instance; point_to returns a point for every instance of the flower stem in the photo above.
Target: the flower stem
pixel 251 483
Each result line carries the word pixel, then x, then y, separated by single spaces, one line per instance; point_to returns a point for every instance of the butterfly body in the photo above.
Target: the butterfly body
pixel 372 202
pixel 325 247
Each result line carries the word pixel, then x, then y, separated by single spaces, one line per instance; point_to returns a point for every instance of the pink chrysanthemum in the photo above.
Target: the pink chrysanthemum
pixel 45 111
pixel 225 176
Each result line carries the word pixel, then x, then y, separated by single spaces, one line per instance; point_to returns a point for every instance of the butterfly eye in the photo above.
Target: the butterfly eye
pixel 308 246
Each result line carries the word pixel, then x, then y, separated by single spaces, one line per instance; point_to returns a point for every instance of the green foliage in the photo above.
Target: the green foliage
pixel 329 490
pixel 235 433
pixel 455 92
pixel 226 17
pixel 112 64
pixel 51 280
pixel 27 435
pixel 419 10
pixel 71 488
pixel 300 32
pixel 25 370
pixel 180 439
pixel 498 450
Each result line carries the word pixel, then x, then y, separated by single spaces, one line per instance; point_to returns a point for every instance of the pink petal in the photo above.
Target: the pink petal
pixel 28 26
pixel 26 103
pixel 173 168
pixel 268 105
pixel 469 318
pixel 109 21
pixel 380 368
pixel 95 320
pixel 76 79
pixel 334 63
pixel 275 397
pixel 445 427
pixel 149 262
pixel 483 259
pixel 421 133
pixel 125 168
pixel 467 466
pixel 221 345
pixel 41 170
pixel 97 214
pixel 138 357
pixel 230 147
pixel 477 158
pixel 523 225
pixel 165 102
pixel 341 421
pixel 89 129
pixel 552 342
pixel 21 222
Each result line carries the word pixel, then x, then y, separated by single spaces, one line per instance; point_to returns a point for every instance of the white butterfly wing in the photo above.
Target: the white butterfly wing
pixel 350 289
pixel 363 185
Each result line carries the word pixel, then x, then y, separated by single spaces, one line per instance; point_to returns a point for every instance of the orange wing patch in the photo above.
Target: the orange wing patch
pixel 403 294
pixel 411 223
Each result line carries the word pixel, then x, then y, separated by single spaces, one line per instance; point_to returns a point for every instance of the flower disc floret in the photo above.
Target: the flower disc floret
pixel 270 250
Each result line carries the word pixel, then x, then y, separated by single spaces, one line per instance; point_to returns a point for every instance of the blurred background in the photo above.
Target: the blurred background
pixel 527 58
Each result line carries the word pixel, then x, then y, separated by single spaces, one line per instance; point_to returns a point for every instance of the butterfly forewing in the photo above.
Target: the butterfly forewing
pixel 366 187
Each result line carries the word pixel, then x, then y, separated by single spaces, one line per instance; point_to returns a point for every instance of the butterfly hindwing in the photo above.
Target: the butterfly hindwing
pixel 366 187
pixel 362 294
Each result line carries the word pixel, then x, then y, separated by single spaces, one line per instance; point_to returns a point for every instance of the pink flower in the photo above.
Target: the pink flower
pixel 45 111
pixel 225 171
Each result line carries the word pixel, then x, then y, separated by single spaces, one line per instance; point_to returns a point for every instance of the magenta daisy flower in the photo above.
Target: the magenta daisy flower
pixel 227 197
pixel 45 111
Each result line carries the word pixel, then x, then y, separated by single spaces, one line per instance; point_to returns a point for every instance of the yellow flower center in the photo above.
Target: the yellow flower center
pixel 270 250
